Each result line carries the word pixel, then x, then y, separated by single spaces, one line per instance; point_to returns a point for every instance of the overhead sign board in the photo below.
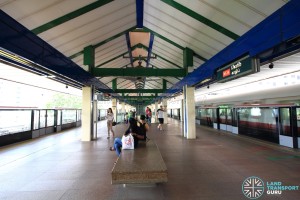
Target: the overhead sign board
pixel 236 69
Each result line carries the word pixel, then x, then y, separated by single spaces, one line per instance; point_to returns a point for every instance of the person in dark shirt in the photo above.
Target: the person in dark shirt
pixel 136 129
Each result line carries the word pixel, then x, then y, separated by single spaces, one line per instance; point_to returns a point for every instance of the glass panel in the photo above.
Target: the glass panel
pixel 14 121
pixel 78 115
pixel 102 114
pixel 42 118
pixel 68 116
pixel 198 113
pixel 120 117
pixel 234 120
pixel 175 112
pixel 228 120
pixel 298 121
pixel 258 123
pixel 223 113
pixel 206 116
pixel 58 117
pixel 285 122
pixel 36 120
pixel 169 112
pixel 214 113
pixel 50 118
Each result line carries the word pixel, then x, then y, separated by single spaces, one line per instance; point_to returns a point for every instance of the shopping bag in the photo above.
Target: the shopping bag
pixel 114 123
pixel 127 142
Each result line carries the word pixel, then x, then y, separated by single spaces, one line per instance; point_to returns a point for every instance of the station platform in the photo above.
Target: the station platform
pixel 213 166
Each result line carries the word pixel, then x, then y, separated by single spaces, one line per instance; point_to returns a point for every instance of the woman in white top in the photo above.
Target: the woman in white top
pixel 110 119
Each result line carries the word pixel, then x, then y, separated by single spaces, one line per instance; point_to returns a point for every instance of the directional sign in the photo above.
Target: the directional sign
pixel 235 70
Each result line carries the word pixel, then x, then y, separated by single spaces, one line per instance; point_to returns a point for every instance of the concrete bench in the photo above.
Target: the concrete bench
pixel 140 166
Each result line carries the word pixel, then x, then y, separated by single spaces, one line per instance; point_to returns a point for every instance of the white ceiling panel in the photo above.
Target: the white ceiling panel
pixel 33 13
pixel 171 28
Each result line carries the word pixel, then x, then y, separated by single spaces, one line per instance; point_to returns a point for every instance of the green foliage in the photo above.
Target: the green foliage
pixel 60 100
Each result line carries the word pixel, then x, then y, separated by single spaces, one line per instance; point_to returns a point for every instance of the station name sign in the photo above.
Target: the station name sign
pixel 237 69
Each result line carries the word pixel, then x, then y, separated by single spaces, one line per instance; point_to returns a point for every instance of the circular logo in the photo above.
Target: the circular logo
pixel 253 187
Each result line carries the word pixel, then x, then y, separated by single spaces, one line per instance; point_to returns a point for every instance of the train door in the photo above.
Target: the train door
pixel 215 114
pixel 288 126
pixel 205 116
pixel 297 127
pixel 259 122
pixel 225 115
pixel 235 129
pixel 229 119
pixel 222 118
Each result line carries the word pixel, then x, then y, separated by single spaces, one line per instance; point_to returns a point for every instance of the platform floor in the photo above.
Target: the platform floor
pixel 213 167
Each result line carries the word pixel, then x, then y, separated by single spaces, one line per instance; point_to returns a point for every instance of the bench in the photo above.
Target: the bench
pixel 142 165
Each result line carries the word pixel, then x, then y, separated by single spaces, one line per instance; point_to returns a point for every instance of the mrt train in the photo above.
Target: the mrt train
pixel 277 123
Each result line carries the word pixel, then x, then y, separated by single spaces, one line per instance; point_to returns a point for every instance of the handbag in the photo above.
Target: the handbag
pixel 127 142
pixel 114 123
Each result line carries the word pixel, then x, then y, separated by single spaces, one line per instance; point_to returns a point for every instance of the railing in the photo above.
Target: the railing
pixel 21 124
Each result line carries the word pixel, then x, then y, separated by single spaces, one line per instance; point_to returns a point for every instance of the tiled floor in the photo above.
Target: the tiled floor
pixel 213 166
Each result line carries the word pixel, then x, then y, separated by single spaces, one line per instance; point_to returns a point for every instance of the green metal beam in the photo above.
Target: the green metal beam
pixel 70 16
pixel 137 72
pixel 139 90
pixel 114 84
pixel 138 97
pixel 200 57
pixel 104 41
pixel 188 57
pixel 89 57
pixel 114 58
pixel 201 19
pixel 164 84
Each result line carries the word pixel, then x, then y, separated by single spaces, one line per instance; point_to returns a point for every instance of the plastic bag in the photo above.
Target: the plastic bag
pixel 127 142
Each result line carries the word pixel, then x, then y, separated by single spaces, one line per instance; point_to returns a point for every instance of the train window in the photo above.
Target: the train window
pixel 255 112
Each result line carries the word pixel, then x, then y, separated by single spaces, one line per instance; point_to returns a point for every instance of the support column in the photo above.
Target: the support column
pixel 189 115
pixel 184 128
pixel 165 107
pixel 114 108
pixel 86 114
pixel 156 106
pixel 95 120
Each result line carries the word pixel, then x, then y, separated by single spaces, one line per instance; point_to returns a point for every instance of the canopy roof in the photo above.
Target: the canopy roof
pixel 100 36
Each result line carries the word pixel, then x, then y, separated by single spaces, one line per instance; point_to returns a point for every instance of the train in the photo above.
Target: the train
pixel 276 123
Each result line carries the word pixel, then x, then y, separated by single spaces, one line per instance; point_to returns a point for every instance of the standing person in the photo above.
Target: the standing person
pixel 147 113
pixel 160 116
pixel 110 119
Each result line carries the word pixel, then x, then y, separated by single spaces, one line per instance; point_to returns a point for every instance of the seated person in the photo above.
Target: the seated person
pixel 137 130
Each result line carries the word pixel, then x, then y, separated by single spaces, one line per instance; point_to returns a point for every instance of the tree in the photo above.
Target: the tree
pixel 61 100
